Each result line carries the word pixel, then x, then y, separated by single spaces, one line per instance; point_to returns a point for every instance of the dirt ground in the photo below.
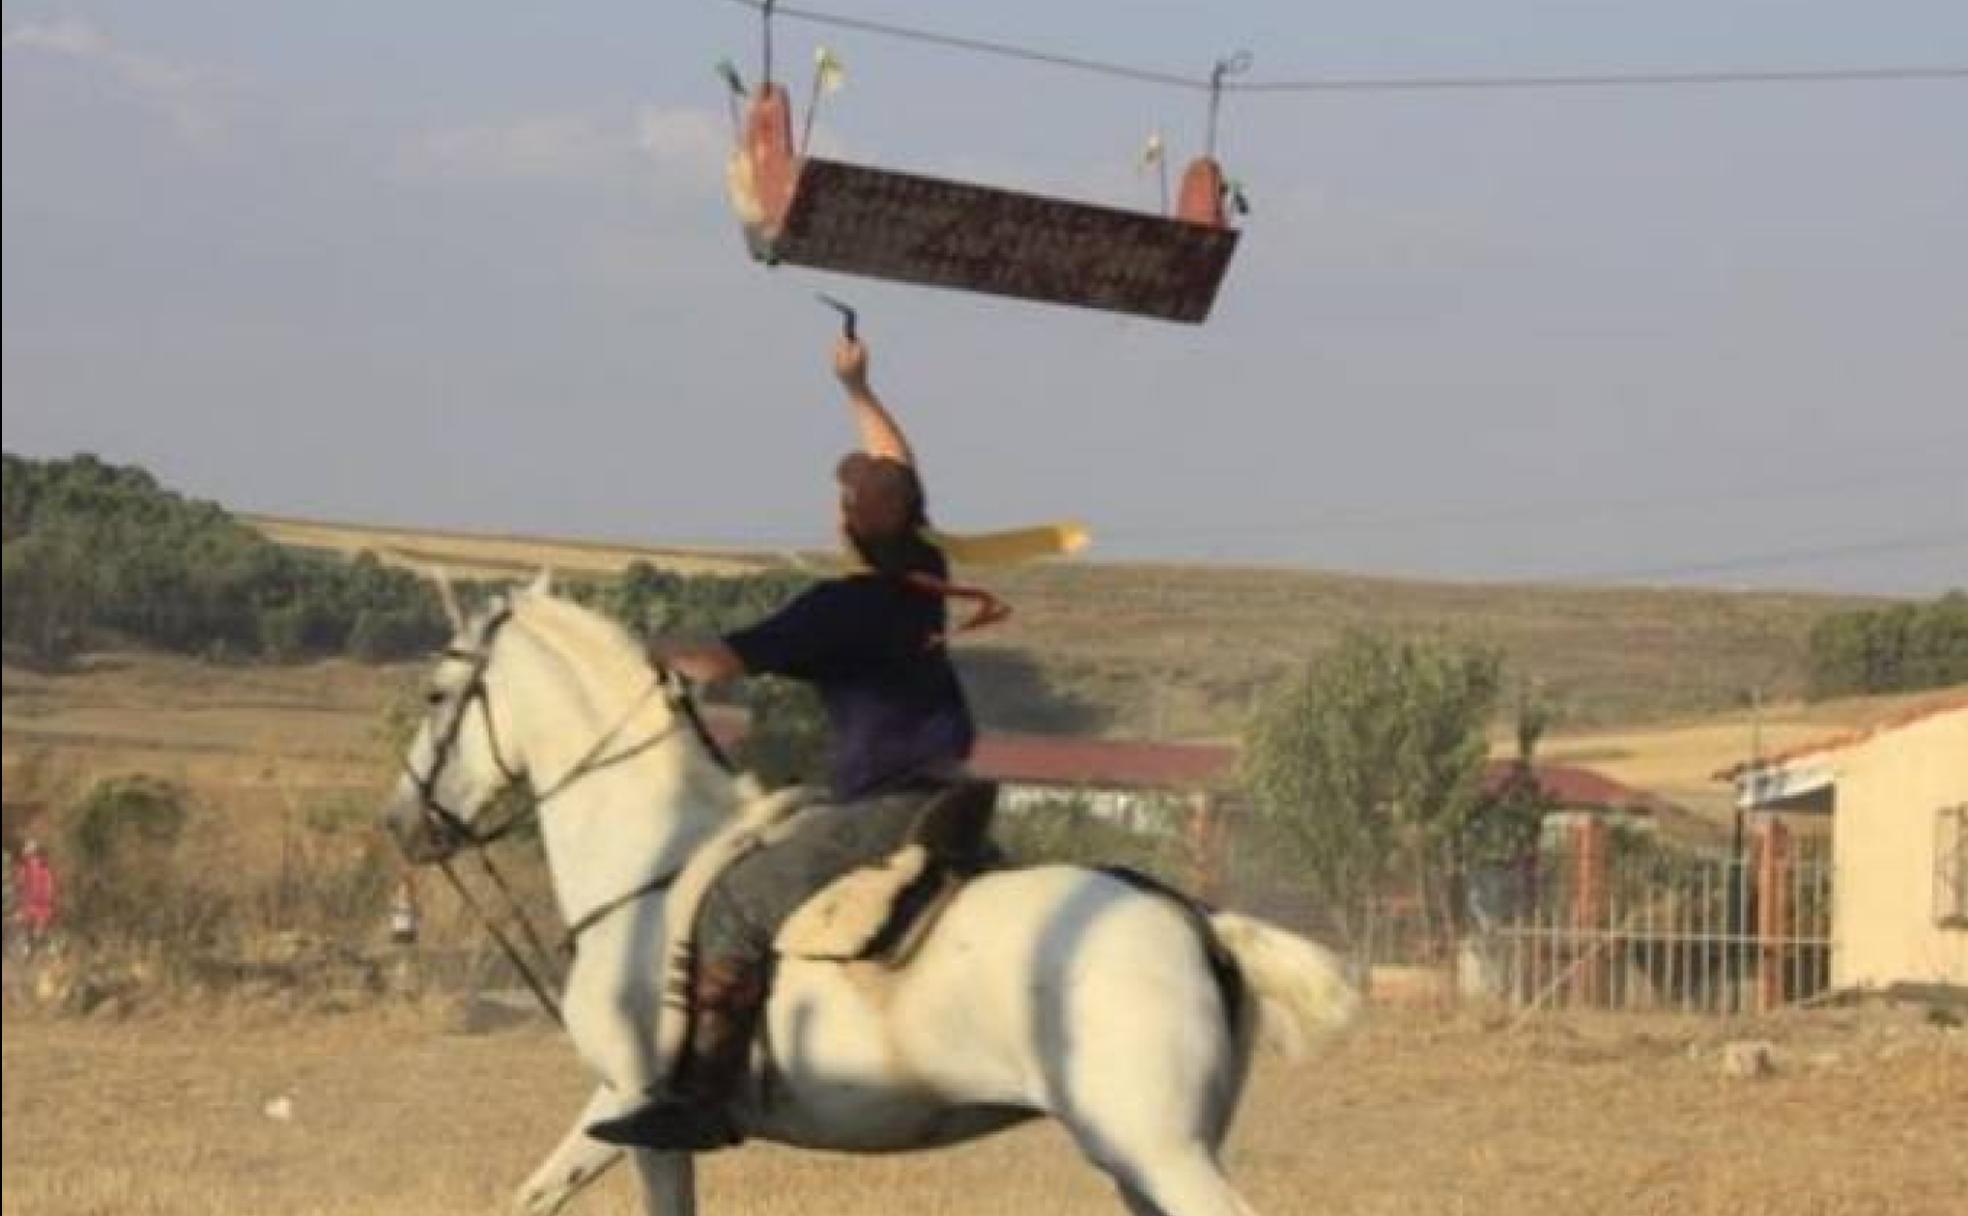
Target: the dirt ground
pixel 395 1111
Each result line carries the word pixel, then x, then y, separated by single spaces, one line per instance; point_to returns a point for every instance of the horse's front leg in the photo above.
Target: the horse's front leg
pixel 669 1180
pixel 574 1163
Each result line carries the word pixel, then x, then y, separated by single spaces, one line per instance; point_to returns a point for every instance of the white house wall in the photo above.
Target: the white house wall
pixel 1890 792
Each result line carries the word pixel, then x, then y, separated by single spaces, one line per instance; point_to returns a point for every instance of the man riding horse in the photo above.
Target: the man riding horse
pixel 872 645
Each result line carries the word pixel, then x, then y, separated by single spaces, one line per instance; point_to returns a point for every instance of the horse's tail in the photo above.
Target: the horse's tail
pixel 1300 987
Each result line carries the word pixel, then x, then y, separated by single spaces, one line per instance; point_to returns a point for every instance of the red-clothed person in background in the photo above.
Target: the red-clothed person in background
pixel 35 887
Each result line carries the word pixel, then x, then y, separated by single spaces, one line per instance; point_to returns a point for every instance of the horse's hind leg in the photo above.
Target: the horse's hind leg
pixel 1147 1076
pixel 1157 1136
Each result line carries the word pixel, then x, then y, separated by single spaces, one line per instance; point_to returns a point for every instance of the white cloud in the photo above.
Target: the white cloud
pixel 549 148
pixel 682 142
pixel 70 37
pixel 179 92
pixel 678 150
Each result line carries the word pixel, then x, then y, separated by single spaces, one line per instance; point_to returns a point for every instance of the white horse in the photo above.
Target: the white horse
pixel 1048 991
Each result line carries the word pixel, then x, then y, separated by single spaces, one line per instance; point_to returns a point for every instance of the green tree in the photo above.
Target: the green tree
pixel 97 552
pixel 1899 648
pixel 1365 770
pixel 46 588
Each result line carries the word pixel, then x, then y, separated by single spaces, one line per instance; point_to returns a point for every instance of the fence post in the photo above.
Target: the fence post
pixel 1591 900
pixel 1207 832
pixel 1773 912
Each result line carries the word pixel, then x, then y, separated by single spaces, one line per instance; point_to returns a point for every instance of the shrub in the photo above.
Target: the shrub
pixel 123 882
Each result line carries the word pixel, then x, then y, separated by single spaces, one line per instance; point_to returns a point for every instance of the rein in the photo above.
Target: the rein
pixel 459 833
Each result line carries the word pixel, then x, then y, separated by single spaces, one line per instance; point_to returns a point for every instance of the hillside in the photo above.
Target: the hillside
pixel 1182 650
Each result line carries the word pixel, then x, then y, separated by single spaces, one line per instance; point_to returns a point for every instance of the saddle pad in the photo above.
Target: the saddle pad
pixel 842 921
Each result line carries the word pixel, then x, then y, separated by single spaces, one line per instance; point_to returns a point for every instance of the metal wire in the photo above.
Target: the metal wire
pixel 1381 84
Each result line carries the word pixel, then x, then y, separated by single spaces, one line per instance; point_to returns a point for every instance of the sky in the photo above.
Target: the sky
pixel 467 263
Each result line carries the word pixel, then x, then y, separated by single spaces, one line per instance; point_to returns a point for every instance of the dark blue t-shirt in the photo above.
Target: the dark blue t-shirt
pixel 869 645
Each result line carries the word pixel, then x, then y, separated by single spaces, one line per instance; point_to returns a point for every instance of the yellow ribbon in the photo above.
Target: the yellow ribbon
pixel 1011 546
pixel 1006 548
pixel 829 73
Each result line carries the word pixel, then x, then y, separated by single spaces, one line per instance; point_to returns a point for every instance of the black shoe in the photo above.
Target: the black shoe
pixel 671 1125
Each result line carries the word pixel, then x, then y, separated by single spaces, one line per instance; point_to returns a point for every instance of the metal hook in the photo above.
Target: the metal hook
pixel 1230 65
pixel 765 33
pixel 848 315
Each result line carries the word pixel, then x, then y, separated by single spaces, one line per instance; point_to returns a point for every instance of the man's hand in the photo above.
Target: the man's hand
pixel 879 434
pixel 700 662
pixel 851 365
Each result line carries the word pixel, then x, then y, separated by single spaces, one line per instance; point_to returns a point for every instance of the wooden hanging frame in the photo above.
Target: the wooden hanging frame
pixel 855 219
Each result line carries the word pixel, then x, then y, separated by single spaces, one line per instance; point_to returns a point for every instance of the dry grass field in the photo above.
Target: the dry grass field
pixel 1415 1114
pixel 1678 759
pixel 257 748
pixel 262 744
pixel 1179 650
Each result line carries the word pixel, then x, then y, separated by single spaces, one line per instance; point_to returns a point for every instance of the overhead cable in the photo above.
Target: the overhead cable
pixel 1362 84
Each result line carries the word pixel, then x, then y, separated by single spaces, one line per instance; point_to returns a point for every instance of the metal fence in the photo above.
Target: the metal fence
pixel 1651 930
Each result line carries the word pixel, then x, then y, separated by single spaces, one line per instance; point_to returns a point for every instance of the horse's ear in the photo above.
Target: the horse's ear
pixel 542 583
pixel 447 596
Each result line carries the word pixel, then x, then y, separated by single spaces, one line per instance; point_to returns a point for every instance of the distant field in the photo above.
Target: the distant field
pixel 475 555
pixel 262 744
pixel 1678 760
pixel 259 746
pixel 1651 684
pixel 1182 650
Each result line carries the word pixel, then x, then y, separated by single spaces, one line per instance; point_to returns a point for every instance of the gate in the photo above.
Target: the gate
pixel 1638 927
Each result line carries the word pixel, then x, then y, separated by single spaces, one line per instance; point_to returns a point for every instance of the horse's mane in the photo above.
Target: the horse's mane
pixel 612 660
pixel 603 647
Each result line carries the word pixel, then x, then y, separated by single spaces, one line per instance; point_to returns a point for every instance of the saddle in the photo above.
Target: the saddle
pixel 880 913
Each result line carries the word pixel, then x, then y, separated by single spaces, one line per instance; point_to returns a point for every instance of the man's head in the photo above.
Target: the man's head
pixel 880 498
pixel 882 509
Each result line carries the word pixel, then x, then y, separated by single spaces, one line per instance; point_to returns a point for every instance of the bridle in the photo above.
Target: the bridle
pixel 454 832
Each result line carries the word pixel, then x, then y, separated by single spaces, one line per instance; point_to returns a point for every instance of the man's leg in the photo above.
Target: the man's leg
pixel 727 993
pixel 735 929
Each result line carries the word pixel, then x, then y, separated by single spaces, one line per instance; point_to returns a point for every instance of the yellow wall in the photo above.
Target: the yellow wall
pixel 1889 791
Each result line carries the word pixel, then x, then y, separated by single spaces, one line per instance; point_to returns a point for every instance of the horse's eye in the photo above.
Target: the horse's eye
pixel 434 698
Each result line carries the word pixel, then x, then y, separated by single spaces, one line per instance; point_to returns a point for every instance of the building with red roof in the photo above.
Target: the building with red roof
pixel 1896 796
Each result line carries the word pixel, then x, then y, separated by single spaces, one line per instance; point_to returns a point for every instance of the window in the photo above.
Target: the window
pixel 1951 867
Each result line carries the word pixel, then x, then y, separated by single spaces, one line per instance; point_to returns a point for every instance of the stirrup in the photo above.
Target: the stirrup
pixel 671 1125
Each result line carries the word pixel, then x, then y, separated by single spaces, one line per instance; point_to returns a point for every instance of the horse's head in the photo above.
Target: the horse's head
pixel 457 763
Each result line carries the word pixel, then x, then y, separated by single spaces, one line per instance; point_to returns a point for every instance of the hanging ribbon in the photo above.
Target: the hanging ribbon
pixel 828 77
pixel 1154 156
pixel 1011 546
pixel 989 610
